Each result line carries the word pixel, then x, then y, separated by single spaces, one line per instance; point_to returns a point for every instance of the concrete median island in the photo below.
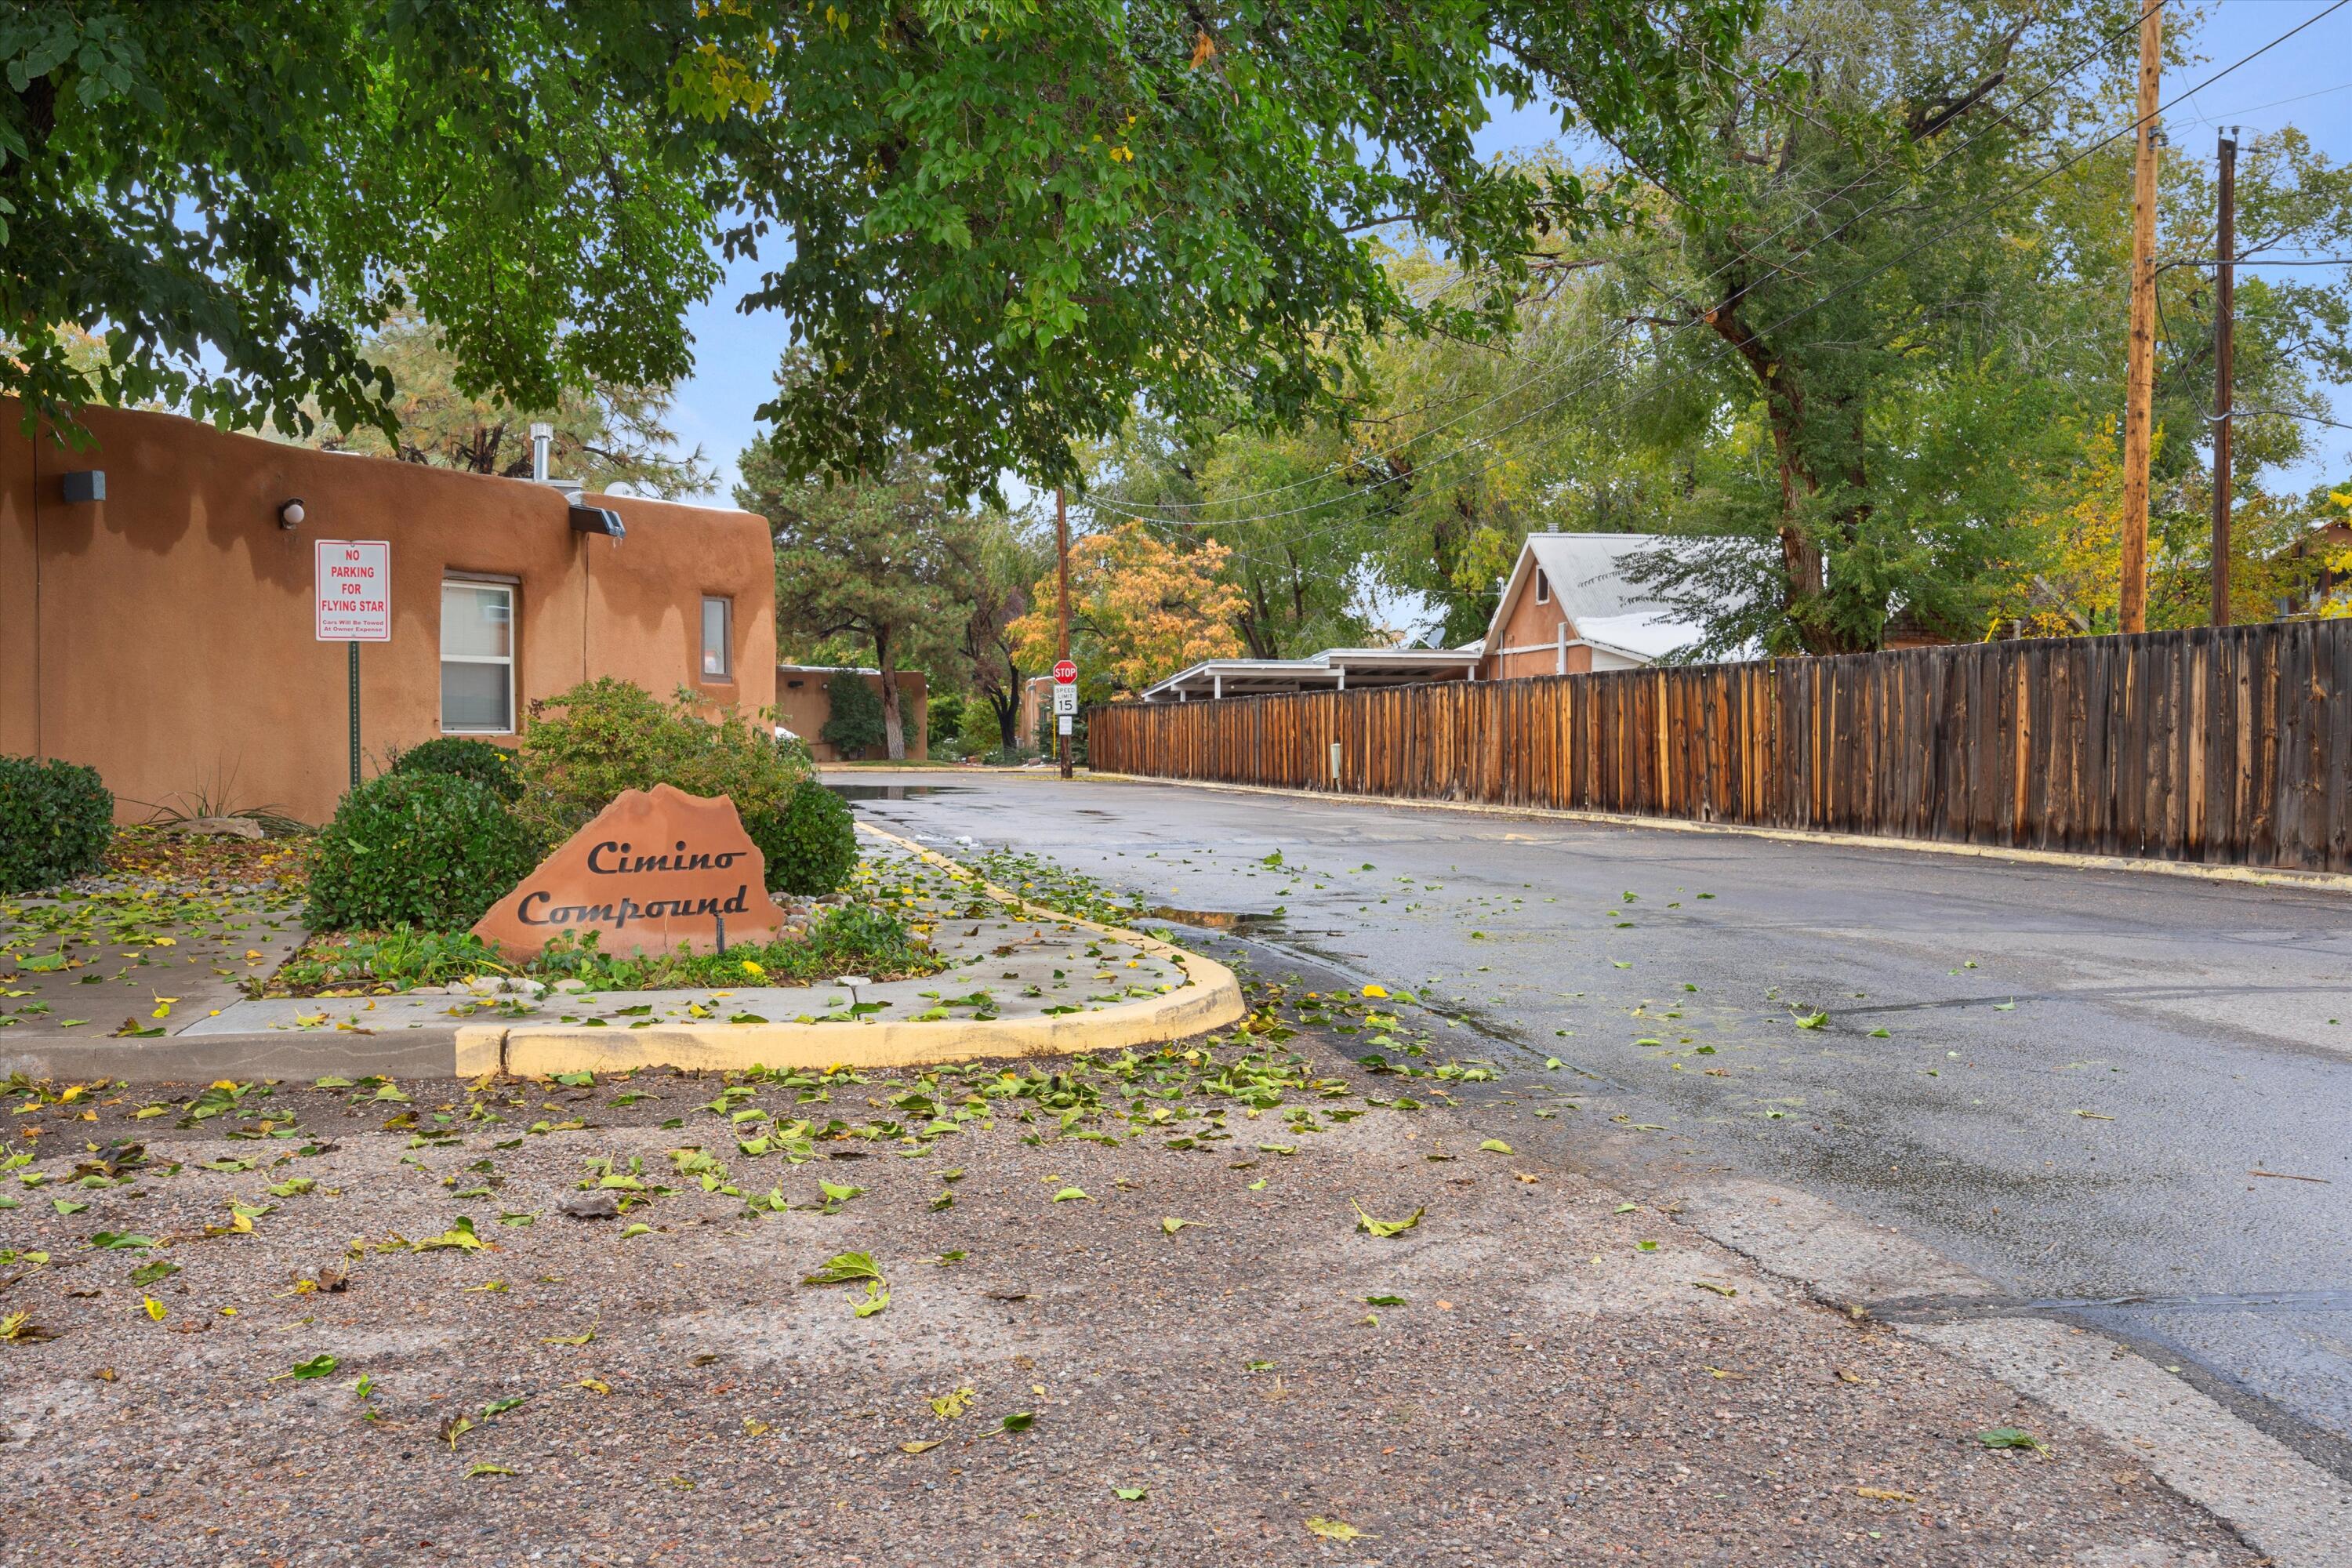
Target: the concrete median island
pixel 1014 980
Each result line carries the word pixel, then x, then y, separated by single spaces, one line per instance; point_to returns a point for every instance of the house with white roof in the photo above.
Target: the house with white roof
pixel 1569 607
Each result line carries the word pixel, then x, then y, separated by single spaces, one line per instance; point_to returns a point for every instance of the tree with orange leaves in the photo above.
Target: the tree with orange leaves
pixel 1139 610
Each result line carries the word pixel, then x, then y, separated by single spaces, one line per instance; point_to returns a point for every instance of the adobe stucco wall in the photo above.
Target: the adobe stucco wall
pixel 802 708
pixel 164 634
pixel 1535 627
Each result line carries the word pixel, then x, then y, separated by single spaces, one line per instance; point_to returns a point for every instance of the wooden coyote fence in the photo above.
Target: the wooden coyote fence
pixel 2225 745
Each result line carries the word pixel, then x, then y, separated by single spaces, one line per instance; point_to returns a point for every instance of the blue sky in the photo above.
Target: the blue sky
pixel 2305 82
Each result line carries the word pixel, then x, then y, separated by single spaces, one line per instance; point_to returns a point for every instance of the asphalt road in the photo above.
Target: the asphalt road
pixel 2064 1080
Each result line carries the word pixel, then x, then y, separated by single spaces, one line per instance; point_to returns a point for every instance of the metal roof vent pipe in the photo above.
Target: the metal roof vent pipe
pixel 543 438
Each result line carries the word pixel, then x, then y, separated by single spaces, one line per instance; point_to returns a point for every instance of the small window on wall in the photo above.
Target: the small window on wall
pixel 477 657
pixel 1543 588
pixel 717 637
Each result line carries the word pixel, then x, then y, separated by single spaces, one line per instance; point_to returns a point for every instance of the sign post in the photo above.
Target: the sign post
pixel 352 585
pixel 1066 706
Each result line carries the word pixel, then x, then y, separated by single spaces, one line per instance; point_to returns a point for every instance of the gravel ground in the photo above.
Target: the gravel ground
pixel 1561 1382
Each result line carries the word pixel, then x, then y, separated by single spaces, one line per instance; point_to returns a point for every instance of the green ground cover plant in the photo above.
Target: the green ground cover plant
pixel 852 939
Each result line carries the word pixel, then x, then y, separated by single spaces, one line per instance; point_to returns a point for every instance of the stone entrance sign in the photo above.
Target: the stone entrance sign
pixel 657 870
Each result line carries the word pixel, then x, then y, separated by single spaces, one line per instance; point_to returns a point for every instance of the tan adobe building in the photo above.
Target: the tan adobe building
pixel 158 622
pixel 802 708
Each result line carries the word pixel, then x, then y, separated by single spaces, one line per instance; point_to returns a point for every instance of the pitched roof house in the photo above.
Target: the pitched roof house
pixel 1570 606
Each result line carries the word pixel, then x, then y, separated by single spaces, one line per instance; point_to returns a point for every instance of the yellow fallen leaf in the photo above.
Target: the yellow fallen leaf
pixel 1332 1528
pixel 165 941
pixel 594 1385
pixel 1377 992
pixel 920 1448
pixel 154 1308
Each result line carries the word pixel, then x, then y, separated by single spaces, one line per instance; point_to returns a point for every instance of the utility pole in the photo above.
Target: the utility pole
pixel 2140 368
pixel 1062 639
pixel 2225 302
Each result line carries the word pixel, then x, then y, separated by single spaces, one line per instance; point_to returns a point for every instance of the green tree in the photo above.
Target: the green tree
pixel 1875 379
pixel 1873 374
pixel 873 559
pixel 605 434
pixel 995 563
pixel 241 190
pixel 1302 576
pixel 1009 222
pixel 1006 222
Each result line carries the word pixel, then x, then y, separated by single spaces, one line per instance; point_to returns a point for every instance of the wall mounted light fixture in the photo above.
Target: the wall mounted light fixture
pixel 597 520
pixel 291 513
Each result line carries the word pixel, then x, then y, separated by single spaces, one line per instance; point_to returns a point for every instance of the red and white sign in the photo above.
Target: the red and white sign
pixel 354 590
pixel 1065 673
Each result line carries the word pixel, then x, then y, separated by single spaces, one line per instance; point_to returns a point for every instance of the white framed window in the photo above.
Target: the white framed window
pixel 1543 588
pixel 717 637
pixel 478 621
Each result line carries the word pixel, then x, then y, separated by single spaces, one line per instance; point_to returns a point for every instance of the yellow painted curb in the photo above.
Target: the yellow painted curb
pixel 1212 1001
pixel 2258 876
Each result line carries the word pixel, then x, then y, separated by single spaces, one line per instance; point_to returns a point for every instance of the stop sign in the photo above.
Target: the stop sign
pixel 1065 673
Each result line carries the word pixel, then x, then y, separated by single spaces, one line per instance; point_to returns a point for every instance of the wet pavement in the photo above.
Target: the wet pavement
pixel 2126 1098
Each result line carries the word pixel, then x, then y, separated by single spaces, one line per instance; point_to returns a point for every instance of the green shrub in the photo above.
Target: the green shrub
pixel 811 843
pixel 464 757
pixel 982 736
pixel 402 958
pixel 855 709
pixel 943 721
pixel 585 747
pixel 423 849
pixel 55 821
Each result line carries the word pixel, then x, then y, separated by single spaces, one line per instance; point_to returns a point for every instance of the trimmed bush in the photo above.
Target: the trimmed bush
pixel 855 715
pixel 431 850
pixel 584 748
pixel 942 722
pixel 55 821
pixel 980 735
pixel 463 757
pixel 810 844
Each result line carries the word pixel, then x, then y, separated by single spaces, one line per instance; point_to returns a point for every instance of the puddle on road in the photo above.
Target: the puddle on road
pixel 894 792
